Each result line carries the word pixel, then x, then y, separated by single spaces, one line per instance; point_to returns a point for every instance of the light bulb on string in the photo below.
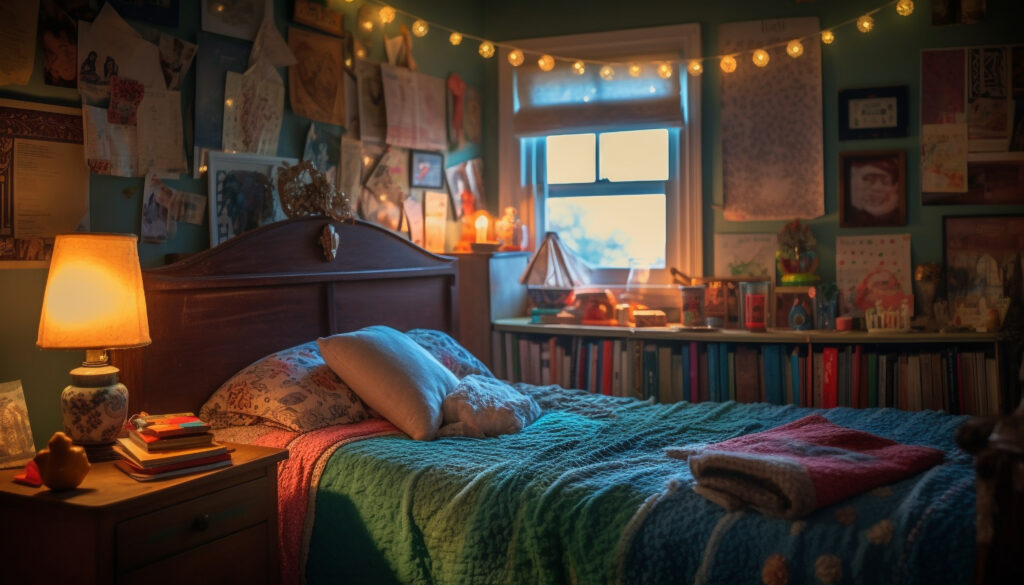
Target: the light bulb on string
pixel 634 70
pixel 728 64
pixel 486 49
pixel 865 23
pixel 361 52
pixel 455 39
pixel 420 28
pixel 579 68
pixel 761 58
pixel 695 68
pixel 365 24
pixel 665 70
pixel 828 37
pixel 607 73
pixel 515 58
pixel 546 62
pixel 386 14
pixel 795 48
pixel 905 7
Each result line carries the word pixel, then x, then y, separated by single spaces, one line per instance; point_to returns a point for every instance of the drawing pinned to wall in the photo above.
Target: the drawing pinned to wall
pixel 234 18
pixel 125 97
pixel 155 227
pixel 219 56
pixel 316 83
pixel 109 148
pixel 772 165
pixel 110 47
pixel 873 269
pixel 253 110
pixel 386 188
pixel 944 158
pixel 175 59
pixel 58 35
pixel 415 109
pixel 745 255
pixel 323 149
pixel 372 114
pixel 243 193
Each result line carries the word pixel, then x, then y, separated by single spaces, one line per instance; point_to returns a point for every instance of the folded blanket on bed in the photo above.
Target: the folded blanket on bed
pixel 791 470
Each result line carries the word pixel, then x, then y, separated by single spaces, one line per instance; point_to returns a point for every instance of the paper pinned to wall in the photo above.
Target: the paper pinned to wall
pixel 253 110
pixel 109 47
pixel 435 220
pixel 109 148
pixel 372 115
pixel 160 146
pixel 316 82
pixel 414 219
pixel 18 26
pixel 772 153
pixel 944 158
pixel 175 59
pixel 745 255
pixel 323 150
pixel 415 109
pixel 872 269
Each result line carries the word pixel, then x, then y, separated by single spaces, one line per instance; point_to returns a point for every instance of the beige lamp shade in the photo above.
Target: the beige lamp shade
pixel 94 297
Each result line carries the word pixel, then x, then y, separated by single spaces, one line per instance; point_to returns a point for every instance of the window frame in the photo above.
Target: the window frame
pixel 522 188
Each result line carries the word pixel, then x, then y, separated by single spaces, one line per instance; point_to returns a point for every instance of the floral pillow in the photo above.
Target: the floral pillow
pixel 446 350
pixel 292 388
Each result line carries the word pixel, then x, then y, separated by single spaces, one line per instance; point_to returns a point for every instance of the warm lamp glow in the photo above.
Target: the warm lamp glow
pixel 481 225
pixel 578 67
pixel 761 58
pixel 420 28
pixel 795 48
pixel 516 58
pixel 827 37
pixel 94 297
pixel 728 64
pixel 695 68
pixel 455 39
pixel 546 63
pixel 607 73
pixel 486 49
pixel 905 7
pixel 865 23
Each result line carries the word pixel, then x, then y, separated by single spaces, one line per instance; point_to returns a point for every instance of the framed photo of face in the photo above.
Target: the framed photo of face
pixel 873 188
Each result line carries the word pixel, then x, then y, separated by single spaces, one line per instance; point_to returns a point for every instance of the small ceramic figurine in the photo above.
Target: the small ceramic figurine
pixel 62 465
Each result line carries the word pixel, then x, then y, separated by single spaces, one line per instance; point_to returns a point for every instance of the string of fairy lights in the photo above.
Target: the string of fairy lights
pixel 761 56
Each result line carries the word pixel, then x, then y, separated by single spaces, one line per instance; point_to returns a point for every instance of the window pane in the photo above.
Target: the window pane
pixel 639 155
pixel 608 230
pixel 571 158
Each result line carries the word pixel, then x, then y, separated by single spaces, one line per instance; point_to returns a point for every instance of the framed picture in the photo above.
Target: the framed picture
pixel 319 16
pixel 876 112
pixel 983 261
pixel 242 193
pixel 873 188
pixel 16 445
pixel 426 169
pixel 788 297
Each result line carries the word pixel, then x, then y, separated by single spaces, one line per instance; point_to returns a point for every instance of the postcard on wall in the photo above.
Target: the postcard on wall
pixel 161 147
pixel 58 33
pixel 155 226
pixel 385 189
pixel 270 45
pixel 110 149
pixel 110 47
pixel 238 18
pixel 219 56
pixel 253 110
pixel 16 445
pixel 316 82
pixel 372 114
pixel 772 166
pixel 944 158
pixel 175 59
pixel 323 149
pixel 873 270
pixel 745 255
pixel 435 220
pixel 415 109
pixel 466 183
pixel 18 26
pixel 44 183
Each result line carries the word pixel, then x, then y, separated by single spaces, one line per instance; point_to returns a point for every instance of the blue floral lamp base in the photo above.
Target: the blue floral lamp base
pixel 94 409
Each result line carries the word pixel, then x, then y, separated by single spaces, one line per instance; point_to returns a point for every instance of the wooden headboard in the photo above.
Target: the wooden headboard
pixel 216 312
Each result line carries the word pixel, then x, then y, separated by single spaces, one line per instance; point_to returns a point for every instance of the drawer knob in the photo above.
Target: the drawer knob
pixel 201 523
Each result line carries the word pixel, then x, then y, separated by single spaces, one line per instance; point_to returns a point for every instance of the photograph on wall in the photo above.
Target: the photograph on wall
pixel 386 188
pixel 316 85
pixel 872 188
pixel 739 255
pixel 16 445
pixel 426 170
pixel 466 184
pixel 983 261
pixel 175 59
pixel 109 47
pixel 323 150
pixel 873 271
pixel 772 165
pixel 253 110
pixel 155 225
pixel 243 193
pixel 58 38
pixel 234 18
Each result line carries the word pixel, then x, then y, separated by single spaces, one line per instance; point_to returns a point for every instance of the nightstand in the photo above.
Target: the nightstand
pixel 213 527
pixel 489 289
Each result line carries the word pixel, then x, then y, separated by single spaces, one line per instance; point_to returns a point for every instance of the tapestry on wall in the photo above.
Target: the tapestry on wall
pixel 772 158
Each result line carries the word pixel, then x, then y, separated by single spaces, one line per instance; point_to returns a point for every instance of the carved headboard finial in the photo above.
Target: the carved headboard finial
pixel 329 241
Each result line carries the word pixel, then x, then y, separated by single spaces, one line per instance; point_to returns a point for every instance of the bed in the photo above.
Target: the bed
pixel 586 494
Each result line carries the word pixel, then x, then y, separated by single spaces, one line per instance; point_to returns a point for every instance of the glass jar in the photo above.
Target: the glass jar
pixel 754 297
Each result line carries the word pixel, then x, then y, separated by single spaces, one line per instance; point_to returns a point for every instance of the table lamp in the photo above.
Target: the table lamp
pixel 94 301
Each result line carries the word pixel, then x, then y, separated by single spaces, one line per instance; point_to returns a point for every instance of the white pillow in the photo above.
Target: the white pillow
pixel 483 406
pixel 393 375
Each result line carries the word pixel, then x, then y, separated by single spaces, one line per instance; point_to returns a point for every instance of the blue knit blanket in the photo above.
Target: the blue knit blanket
pixel 586 495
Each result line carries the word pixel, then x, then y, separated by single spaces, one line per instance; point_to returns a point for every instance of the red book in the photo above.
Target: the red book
pixel 829 375
pixel 606 367
pixel 169 425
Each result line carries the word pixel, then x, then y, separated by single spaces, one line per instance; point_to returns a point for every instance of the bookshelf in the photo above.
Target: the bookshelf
pixel 969 373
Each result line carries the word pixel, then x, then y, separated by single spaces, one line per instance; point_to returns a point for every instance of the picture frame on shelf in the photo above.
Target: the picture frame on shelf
pixel 872 188
pixel 784 298
pixel 426 169
pixel 873 112
pixel 983 260
pixel 242 193
pixel 16 445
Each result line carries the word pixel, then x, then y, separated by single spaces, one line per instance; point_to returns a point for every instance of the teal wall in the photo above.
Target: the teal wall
pixel 889 55
pixel 116 202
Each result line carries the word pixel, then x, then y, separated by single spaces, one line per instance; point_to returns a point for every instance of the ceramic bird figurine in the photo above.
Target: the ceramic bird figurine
pixel 62 465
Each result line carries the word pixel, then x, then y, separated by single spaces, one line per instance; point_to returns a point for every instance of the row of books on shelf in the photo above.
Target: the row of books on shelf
pixel 951 378
pixel 163 446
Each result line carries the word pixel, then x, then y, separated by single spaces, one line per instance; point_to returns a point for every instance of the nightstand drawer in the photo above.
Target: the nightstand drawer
pixel 168 531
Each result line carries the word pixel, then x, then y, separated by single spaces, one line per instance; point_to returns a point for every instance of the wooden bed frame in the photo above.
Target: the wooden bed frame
pixel 215 312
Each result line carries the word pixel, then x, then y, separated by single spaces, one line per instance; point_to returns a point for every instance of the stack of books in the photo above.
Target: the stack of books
pixel 169 445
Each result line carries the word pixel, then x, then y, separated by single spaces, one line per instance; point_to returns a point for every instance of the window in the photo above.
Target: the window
pixel 612 166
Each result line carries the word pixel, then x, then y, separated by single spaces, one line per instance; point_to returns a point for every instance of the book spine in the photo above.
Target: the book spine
pixel 829 374
pixel 650 371
pixel 606 367
pixel 872 379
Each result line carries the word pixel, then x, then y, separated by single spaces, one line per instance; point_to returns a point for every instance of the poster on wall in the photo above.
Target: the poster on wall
pixel 316 85
pixel 772 165
pixel 745 255
pixel 44 182
pixel 873 270
pixel 415 109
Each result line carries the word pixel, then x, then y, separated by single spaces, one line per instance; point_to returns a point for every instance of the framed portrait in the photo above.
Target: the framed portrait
pixel 873 188
pixel 984 262
pixel 242 193
pixel 426 169
pixel 875 112
pixel 16 445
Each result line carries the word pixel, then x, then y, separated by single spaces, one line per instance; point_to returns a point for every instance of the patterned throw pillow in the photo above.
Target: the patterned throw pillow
pixel 292 388
pixel 446 350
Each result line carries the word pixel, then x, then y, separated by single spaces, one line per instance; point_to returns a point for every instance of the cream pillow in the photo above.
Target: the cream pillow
pixel 483 406
pixel 392 375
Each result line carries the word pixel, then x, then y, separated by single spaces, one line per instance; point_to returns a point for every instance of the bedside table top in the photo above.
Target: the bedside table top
pixel 108 486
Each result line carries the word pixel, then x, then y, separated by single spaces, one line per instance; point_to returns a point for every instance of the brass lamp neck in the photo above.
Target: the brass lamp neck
pixel 96 357
pixel 95 371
